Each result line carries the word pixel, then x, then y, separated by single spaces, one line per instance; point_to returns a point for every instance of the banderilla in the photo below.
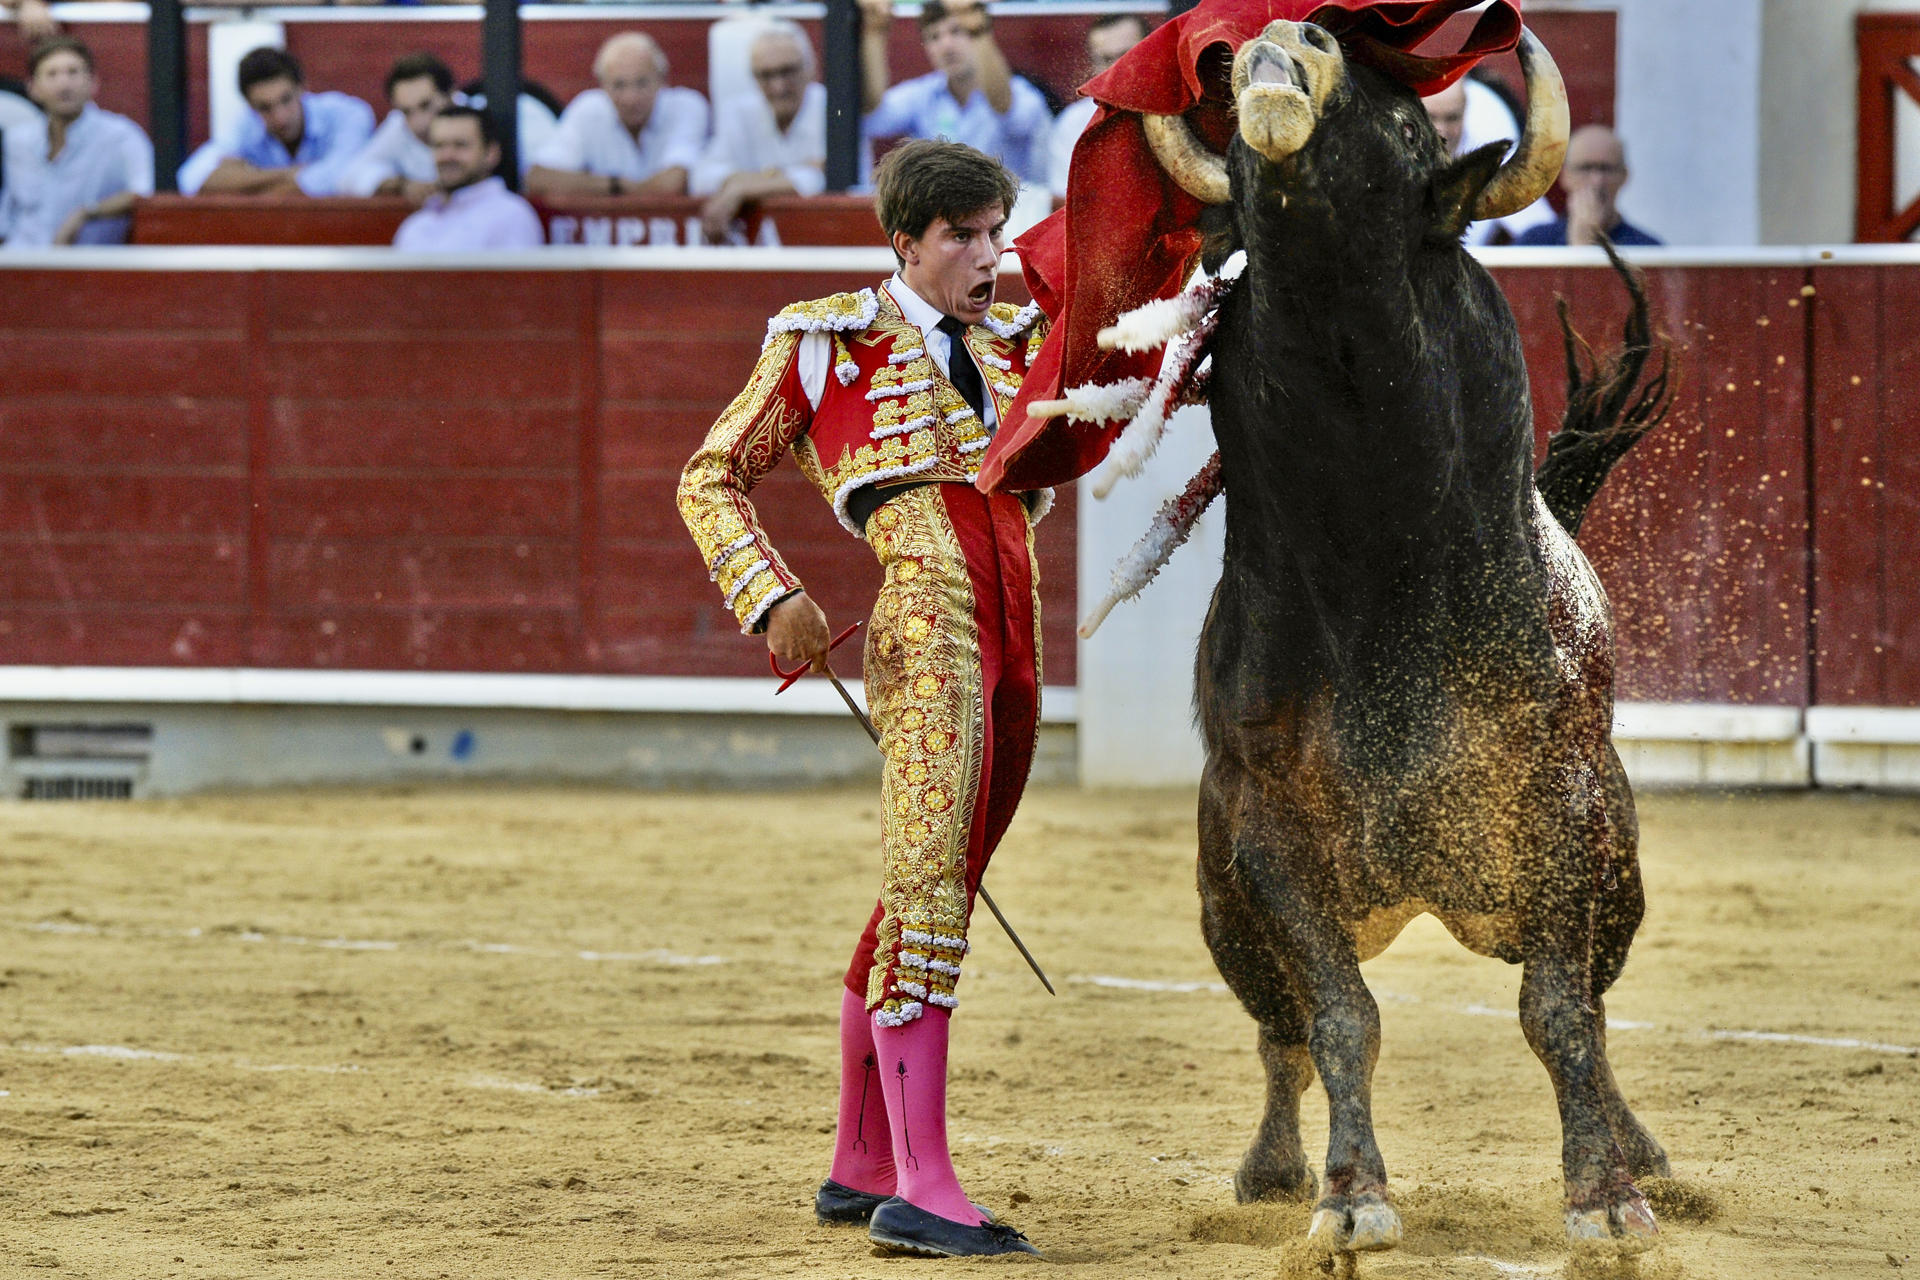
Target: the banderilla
pixel 788 677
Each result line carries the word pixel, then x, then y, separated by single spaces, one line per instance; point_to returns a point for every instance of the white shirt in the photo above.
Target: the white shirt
pixel 104 154
pixel 591 139
pixel 1488 119
pixel 816 349
pixel 747 140
pixel 394 151
pixel 484 215
pixel 1067 128
pixel 925 108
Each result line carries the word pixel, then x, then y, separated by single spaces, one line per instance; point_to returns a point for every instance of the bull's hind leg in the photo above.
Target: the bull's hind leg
pixel 1342 1024
pixel 1616 919
pixel 1275 1166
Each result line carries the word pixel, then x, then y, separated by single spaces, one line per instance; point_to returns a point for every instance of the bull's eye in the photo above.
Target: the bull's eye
pixel 1409 131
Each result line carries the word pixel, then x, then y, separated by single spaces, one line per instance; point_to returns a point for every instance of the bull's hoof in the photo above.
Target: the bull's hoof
pixel 1625 1226
pixel 1364 1223
pixel 1258 1180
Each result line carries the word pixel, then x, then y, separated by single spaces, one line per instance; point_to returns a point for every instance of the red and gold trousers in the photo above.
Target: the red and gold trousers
pixel 953 682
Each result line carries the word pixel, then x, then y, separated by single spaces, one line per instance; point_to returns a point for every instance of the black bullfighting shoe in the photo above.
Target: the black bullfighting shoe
pixel 835 1205
pixel 906 1228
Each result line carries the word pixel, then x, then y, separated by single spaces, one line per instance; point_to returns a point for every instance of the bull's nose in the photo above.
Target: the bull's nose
pixel 1270 65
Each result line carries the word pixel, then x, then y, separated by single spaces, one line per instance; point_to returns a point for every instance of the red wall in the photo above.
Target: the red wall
pixel 355 470
pixel 474 471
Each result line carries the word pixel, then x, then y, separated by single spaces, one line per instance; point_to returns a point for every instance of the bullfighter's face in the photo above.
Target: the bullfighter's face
pixel 953 265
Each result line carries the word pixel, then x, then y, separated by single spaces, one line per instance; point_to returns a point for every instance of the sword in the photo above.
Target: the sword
pixel 790 676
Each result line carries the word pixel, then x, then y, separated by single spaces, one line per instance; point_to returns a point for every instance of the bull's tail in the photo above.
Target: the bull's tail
pixel 1609 407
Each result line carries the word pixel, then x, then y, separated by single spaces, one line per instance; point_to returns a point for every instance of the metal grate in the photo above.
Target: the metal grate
pixel 78 788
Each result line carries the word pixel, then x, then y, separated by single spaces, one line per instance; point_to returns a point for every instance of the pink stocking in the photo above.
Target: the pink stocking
pixel 913 1066
pixel 862 1145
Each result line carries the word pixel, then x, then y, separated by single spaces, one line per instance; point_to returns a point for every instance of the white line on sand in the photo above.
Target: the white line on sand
pixel 657 955
pixel 123 1053
pixel 1486 1011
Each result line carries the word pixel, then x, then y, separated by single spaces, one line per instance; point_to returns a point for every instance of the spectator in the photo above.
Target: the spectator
pixel 1595 171
pixel 970 96
pixel 471 208
pixel 1108 38
pixel 35 20
pixel 72 177
pixel 293 141
pixel 1468 115
pixel 397 160
pixel 634 135
pixel 536 120
pixel 773 143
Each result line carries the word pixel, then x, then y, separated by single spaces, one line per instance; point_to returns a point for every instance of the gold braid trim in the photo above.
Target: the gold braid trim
pixel 743 446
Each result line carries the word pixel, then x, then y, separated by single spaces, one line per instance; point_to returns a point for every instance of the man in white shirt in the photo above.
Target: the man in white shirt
pixel 770 143
pixel 970 96
pixel 633 135
pixel 397 161
pixel 471 210
pixel 1468 115
pixel 1109 37
pixel 72 177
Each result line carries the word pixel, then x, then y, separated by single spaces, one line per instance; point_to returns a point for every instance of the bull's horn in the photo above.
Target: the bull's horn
pixel 1530 171
pixel 1200 172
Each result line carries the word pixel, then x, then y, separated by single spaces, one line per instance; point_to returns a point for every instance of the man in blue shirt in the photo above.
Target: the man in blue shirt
pixel 970 96
pixel 1595 171
pixel 294 142
pixel 73 176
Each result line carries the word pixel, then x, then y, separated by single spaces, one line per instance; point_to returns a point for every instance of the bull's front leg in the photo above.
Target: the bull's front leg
pixel 1603 1207
pixel 1343 1035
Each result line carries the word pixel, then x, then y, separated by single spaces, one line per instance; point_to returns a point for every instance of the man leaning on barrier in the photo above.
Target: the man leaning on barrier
pixel 634 135
pixel 72 177
pixel 292 142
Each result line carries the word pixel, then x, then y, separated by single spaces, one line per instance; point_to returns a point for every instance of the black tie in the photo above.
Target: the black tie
pixel 961 368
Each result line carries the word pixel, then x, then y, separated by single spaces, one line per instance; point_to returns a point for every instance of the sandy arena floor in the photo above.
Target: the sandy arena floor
pixel 558 1033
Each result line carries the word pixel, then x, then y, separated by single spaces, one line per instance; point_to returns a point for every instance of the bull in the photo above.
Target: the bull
pixel 1405 678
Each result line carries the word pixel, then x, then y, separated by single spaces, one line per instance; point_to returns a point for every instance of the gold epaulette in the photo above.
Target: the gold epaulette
pixel 1009 321
pixel 837 313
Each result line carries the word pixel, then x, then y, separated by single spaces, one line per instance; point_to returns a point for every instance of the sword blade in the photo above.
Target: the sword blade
pixel 985 897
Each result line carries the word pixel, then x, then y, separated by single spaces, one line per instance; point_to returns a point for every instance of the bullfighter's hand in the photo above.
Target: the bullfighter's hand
pixel 797 632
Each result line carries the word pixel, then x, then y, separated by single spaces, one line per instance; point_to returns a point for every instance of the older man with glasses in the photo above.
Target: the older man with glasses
pixel 1595 170
pixel 773 143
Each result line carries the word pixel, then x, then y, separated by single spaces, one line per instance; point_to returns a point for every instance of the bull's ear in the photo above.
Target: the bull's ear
pixel 1454 190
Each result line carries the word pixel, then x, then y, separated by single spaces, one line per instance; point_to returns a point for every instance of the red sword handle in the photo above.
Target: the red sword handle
pixel 789 677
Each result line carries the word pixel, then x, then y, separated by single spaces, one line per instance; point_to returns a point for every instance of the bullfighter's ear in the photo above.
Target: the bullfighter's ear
pixel 1455 189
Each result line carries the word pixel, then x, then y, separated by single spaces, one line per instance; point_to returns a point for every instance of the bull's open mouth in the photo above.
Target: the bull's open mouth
pixel 1270 65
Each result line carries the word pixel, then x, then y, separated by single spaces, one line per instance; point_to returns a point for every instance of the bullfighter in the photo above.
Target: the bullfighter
pixel 887 399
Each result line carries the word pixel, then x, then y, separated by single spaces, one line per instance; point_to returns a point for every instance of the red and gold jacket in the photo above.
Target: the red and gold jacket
pixel 886 415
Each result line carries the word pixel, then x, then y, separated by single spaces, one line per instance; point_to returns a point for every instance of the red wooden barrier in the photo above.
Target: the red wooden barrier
pixel 350 470
pixel 298 220
pixel 1866 593
pixel 473 470
pixel 1700 535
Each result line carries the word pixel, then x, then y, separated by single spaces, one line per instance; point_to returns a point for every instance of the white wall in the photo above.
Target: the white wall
pixel 1136 673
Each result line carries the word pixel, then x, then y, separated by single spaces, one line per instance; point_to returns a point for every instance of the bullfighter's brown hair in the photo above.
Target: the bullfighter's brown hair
pixel 924 180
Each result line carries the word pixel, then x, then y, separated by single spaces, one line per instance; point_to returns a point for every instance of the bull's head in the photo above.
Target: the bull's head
pixel 1291 82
